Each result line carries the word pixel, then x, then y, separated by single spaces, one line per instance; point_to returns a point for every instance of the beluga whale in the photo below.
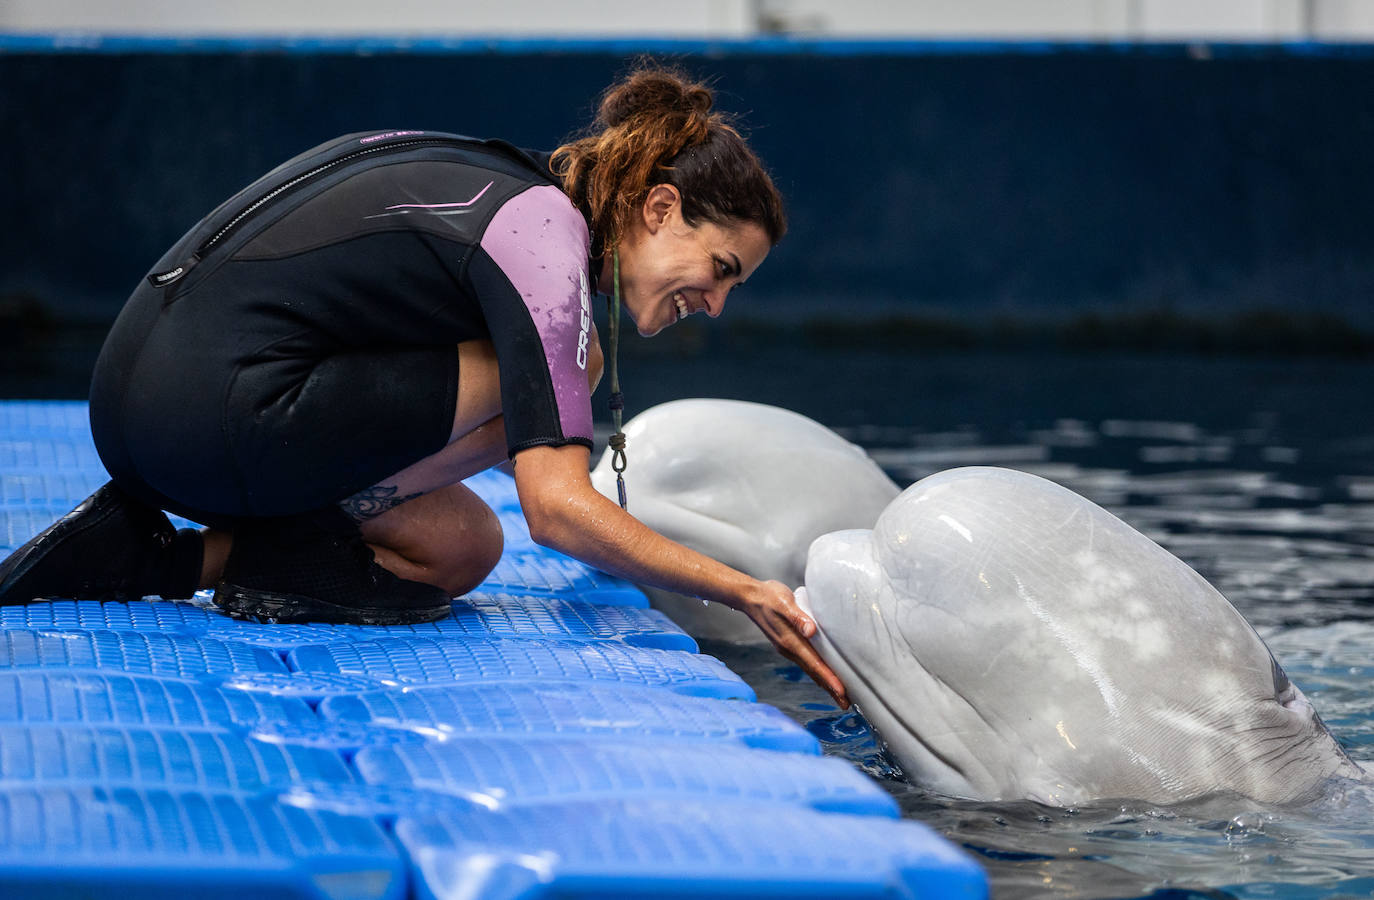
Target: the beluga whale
pixel 748 484
pixel 1008 639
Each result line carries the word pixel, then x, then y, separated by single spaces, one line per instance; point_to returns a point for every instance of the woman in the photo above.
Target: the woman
pixel 317 365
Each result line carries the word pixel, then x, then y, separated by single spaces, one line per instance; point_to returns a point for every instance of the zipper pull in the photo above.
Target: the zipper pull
pixel 172 276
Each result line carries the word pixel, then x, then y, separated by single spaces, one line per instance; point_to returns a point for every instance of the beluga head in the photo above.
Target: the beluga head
pixel 744 483
pixel 1008 639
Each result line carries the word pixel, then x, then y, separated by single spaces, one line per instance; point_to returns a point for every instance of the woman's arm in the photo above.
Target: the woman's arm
pixel 566 513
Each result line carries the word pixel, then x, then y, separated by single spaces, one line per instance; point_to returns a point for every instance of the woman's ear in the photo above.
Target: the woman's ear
pixel 662 201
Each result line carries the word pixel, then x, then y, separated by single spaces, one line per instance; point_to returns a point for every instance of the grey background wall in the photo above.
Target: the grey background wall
pixel 1097 20
pixel 966 181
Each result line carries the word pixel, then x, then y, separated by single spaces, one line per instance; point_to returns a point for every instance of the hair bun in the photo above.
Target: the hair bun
pixel 655 93
pixel 657 127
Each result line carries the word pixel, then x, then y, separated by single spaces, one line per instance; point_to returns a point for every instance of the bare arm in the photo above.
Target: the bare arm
pixel 566 513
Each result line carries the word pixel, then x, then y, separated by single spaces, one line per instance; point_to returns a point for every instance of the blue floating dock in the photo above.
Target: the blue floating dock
pixel 554 737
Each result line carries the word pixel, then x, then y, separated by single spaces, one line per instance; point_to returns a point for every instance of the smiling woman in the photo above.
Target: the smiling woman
pixel 674 188
pixel 318 364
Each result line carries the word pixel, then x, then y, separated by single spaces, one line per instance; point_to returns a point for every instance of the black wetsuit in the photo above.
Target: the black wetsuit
pixel 299 344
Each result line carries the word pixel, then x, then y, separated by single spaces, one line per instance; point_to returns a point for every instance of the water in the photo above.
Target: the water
pixel 1258 473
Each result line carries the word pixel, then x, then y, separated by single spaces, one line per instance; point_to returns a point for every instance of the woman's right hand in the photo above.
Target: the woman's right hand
pixel 773 608
pixel 565 512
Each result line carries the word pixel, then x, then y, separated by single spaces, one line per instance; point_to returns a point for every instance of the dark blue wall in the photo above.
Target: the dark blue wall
pixel 1022 180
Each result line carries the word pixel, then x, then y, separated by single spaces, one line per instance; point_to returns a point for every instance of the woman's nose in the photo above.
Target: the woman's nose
pixel 715 302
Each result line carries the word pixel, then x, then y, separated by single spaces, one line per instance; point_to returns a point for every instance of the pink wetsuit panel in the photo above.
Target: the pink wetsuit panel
pixel 540 242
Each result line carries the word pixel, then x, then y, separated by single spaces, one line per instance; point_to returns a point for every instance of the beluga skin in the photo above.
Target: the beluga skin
pixel 1008 639
pixel 748 484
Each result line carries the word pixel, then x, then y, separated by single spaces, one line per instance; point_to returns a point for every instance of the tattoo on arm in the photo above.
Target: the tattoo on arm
pixel 374 501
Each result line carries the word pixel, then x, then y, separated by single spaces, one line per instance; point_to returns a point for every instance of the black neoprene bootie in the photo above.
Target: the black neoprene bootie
pixel 111 547
pixel 316 567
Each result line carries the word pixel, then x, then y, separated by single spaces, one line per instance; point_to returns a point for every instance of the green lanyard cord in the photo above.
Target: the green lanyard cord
pixel 617 404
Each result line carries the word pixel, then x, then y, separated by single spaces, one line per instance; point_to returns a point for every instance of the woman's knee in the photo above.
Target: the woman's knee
pixel 462 568
pixel 449 538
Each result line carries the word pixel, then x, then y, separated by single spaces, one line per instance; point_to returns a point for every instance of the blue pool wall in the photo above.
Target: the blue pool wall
pixel 1003 179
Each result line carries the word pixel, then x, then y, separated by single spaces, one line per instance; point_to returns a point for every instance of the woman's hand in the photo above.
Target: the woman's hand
pixel 566 513
pixel 774 610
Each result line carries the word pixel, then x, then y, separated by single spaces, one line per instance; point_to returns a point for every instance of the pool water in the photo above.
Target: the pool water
pixel 1259 474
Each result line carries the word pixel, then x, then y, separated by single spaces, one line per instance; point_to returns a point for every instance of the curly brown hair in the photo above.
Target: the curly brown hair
pixel 657 127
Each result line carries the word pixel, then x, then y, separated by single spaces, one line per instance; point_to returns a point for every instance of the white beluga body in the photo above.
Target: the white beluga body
pixel 1008 639
pixel 744 483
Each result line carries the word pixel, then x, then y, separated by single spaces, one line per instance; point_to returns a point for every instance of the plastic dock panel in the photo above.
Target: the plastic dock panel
pixel 53 697
pixel 416 660
pixel 475 615
pixel 498 491
pixel 164 616
pixel 50 491
pixel 515 530
pixel 136 652
pixel 160 757
pixel 548 573
pixel 50 456
pixel 91 841
pixel 507 615
pixel 554 737
pixel 571 710
pixel 662 848
pixel 58 419
pixel 505 772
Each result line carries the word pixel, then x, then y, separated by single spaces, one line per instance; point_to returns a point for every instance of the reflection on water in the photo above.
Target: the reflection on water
pixel 1281 520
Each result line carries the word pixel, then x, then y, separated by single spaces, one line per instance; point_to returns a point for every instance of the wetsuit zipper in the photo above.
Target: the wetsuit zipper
pixel 163 279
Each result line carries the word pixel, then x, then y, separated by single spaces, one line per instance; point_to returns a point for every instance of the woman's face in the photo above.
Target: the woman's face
pixel 670 270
